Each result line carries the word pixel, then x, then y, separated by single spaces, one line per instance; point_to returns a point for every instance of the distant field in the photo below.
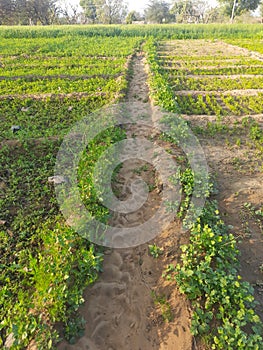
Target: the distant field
pixel 167 31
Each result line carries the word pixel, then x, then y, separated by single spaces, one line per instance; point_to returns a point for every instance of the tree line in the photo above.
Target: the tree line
pixel 46 12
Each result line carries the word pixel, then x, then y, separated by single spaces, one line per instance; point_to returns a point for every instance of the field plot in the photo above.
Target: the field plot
pixel 213 78
pixel 184 291
pixel 200 79
pixel 45 86
pixel 254 46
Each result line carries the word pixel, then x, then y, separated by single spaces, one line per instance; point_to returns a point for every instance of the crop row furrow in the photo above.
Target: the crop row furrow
pixel 39 78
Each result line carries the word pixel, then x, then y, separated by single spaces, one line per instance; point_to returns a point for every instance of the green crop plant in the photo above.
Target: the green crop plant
pixel 155 251
pixel 223 305
pixel 45 265
pixel 164 306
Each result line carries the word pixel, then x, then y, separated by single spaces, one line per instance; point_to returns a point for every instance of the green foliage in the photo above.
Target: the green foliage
pixel 160 90
pixel 90 197
pixel 155 251
pixel 208 275
pixel 195 31
pixel 241 6
pixel 158 11
pixel 70 44
pixel 256 133
pixel 45 265
pixel 216 83
pixel 164 306
pixel 223 305
pixel 208 90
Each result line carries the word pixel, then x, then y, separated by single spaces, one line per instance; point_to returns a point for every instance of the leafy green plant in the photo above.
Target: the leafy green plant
pixel 165 307
pixel 223 305
pixel 45 265
pixel 155 251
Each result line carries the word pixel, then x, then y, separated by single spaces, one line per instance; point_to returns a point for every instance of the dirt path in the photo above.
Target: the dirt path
pixel 131 307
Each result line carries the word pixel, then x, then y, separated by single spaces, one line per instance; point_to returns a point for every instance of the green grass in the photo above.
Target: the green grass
pixel 165 31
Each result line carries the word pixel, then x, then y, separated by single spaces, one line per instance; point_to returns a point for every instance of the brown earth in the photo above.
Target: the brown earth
pixel 204 48
pixel 247 92
pixel 239 175
pixel 52 95
pixel 33 77
pixel 132 306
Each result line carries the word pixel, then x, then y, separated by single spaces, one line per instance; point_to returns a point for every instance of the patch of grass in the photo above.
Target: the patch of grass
pixel 164 306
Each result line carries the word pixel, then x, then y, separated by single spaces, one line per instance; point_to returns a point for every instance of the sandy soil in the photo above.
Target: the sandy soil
pixel 35 77
pixel 203 48
pixel 124 309
pixel 247 92
pixel 239 178
pixel 51 95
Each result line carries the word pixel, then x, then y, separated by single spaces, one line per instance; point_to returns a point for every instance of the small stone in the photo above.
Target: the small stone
pixel 2 222
pixel 70 109
pixel 15 128
pixel 9 341
pixel 3 185
pixel 24 109
pixel 57 180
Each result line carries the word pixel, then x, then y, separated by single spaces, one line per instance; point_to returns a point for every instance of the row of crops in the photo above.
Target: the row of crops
pixel 196 31
pixel 213 78
pixel 46 86
pixel 49 79
pixel 223 305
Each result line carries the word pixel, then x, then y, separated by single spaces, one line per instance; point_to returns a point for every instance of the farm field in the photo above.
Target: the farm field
pixel 229 124
pixel 46 86
pixel 213 78
pixel 186 292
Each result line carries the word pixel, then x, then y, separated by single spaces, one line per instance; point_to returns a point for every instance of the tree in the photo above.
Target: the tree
pixel 261 9
pixel 133 16
pixel 28 12
pixel 186 11
pixel 183 10
pixel 215 15
pixel 42 11
pixel 90 10
pixel 7 10
pixel 158 11
pixel 105 11
pixel 234 8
